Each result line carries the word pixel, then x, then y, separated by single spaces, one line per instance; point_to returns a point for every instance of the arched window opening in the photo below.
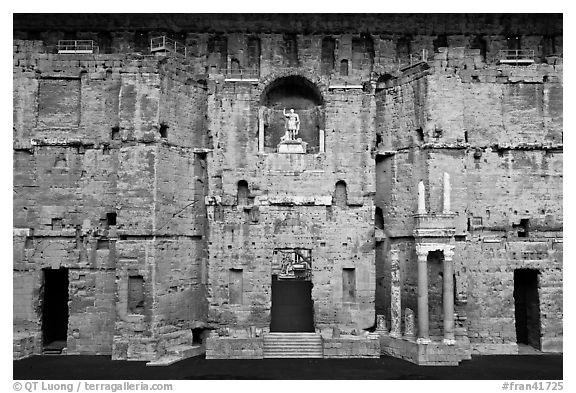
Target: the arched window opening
pixel 242 195
pixel 344 68
pixel 340 197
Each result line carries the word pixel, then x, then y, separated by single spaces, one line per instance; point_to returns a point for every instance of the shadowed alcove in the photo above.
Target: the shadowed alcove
pixel 298 93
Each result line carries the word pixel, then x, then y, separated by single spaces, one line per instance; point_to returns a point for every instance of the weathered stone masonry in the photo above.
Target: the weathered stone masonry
pixel 156 182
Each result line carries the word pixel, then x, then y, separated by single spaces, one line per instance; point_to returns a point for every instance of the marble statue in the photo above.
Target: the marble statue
pixel 292 125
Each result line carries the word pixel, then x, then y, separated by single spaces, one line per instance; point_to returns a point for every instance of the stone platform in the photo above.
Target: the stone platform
pixel 345 346
pixel 433 354
pixel 292 147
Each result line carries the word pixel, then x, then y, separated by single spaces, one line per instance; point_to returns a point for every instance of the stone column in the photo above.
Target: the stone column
pixel 448 297
pixel 421 198
pixel 423 333
pixel 261 129
pixel 409 325
pixel 395 302
pixel 321 137
pixel 381 325
pixel 446 195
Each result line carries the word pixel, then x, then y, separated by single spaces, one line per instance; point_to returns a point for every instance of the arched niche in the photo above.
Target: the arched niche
pixel 292 92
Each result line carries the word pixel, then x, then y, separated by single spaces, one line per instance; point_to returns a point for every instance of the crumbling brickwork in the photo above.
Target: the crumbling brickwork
pixel 156 180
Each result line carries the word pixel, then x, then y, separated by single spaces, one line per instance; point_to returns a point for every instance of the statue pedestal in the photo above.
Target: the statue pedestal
pixel 292 147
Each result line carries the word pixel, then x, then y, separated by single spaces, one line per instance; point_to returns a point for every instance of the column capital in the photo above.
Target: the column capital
pixel 449 253
pixel 422 253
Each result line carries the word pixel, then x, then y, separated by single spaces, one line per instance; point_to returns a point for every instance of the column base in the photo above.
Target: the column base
pixel 395 335
pixel 449 341
pixel 424 341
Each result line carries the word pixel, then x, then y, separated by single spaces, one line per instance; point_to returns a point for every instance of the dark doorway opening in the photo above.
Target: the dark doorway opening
pixel 55 310
pixel 527 307
pixel 292 306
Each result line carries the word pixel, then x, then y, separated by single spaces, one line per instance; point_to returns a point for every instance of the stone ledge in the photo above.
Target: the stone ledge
pixel 234 348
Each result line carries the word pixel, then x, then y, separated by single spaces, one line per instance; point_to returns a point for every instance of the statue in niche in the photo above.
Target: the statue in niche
pixel 292 125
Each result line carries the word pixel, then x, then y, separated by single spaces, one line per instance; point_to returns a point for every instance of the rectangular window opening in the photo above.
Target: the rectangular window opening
pixel 136 294
pixel 56 224
pixel 348 285
pixel 111 218
pixel 235 287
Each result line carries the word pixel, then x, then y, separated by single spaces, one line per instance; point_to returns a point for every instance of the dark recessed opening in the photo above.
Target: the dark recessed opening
pixel 340 196
pixel 378 218
pixel 103 244
pixel 55 309
pixel 441 41
pixel 527 307
pixel 348 285
pixel 136 294
pixel 115 133
pixel 327 56
pixel 420 134
pixel 111 218
pixel 242 193
pixel 344 67
pixel 56 223
pixel 480 43
pixel 163 131
pixel 197 336
pixel 523 227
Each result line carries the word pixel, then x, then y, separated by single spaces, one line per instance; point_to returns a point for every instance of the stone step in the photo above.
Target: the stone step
pixel 303 334
pixel 164 361
pixel 176 353
pixel 303 347
pixel 293 345
pixel 184 350
pixel 298 339
pixel 292 356
pixel 292 341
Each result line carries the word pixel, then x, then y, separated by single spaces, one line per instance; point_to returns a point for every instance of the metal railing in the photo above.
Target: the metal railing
pixel 77 46
pixel 514 56
pixel 241 74
pixel 165 44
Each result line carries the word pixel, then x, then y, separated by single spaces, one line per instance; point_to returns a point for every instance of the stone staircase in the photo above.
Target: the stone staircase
pixel 293 345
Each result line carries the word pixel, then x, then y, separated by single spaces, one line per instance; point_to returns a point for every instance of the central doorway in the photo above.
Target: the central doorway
pixel 292 306
pixel 527 307
pixel 55 310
